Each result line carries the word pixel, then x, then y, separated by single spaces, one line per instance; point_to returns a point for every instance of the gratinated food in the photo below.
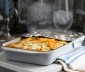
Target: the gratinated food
pixel 38 43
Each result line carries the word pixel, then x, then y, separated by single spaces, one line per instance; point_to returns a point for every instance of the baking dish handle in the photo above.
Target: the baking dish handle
pixel 78 42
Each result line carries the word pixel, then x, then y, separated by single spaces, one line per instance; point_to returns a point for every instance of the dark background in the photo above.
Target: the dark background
pixel 17 27
pixel 20 28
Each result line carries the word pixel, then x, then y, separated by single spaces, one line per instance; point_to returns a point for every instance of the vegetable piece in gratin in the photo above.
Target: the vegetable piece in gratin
pixel 38 44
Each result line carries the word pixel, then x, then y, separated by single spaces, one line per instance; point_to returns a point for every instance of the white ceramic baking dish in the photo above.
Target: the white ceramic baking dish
pixel 41 58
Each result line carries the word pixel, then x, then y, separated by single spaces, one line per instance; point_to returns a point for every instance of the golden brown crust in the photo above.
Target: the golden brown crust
pixel 38 44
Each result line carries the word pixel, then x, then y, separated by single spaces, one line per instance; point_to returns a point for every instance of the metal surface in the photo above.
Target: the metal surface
pixel 57 34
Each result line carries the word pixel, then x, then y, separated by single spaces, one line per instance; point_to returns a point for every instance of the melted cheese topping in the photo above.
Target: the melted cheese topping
pixel 37 44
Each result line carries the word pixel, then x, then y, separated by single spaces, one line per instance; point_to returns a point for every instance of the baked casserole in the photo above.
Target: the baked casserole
pixel 38 43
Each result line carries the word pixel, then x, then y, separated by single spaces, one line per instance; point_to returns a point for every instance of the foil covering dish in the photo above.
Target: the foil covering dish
pixel 57 34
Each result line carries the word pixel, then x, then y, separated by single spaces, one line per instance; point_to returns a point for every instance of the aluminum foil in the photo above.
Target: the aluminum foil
pixel 57 34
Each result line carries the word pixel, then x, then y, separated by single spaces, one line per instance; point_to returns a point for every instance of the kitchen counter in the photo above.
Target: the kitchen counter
pixel 24 67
